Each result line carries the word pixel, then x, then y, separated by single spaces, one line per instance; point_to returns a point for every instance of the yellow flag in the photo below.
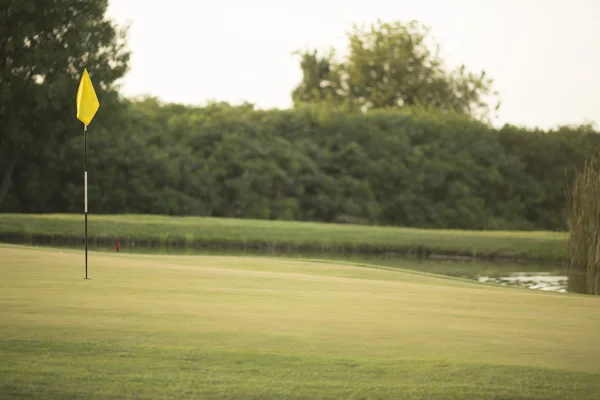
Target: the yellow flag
pixel 87 102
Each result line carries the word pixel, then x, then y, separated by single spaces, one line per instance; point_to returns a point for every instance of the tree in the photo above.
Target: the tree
pixel 321 78
pixel 393 65
pixel 44 47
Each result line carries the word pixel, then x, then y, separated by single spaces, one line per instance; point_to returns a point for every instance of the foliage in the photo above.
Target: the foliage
pixel 316 162
pixel 326 159
pixel 44 47
pixel 393 65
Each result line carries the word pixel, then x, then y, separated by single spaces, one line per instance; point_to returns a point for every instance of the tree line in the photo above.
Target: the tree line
pixel 316 162
pixel 387 135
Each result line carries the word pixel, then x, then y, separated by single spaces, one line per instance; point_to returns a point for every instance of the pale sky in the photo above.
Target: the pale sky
pixel 544 55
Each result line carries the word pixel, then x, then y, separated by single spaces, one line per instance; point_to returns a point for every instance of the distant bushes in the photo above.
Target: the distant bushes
pixel 314 162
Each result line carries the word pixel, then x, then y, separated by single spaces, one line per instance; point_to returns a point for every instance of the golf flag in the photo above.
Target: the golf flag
pixel 87 106
pixel 87 102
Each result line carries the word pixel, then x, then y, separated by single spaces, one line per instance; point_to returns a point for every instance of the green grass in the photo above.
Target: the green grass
pixel 149 326
pixel 291 235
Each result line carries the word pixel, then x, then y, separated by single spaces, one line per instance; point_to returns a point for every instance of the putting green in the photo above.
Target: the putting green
pixel 270 312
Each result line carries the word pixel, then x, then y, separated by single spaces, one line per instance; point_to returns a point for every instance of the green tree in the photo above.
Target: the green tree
pixel 44 46
pixel 321 79
pixel 394 65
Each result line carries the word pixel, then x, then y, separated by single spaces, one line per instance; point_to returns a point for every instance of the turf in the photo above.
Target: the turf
pixel 148 326
pixel 291 235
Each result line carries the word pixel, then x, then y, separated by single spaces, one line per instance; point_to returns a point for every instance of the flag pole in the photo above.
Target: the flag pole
pixel 87 106
pixel 85 196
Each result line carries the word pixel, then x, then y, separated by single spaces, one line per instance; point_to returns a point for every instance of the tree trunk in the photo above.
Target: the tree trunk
pixel 6 182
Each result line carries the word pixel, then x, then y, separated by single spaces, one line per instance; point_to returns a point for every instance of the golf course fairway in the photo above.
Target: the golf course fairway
pixel 185 327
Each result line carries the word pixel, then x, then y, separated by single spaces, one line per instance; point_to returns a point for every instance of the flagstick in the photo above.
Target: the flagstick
pixel 87 105
pixel 85 196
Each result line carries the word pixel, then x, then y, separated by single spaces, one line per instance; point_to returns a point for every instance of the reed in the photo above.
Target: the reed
pixel 584 228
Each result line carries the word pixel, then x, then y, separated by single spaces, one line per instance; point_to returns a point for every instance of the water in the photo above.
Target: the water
pixel 536 281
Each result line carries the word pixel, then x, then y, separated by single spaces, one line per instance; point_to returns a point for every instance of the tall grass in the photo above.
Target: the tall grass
pixel 584 227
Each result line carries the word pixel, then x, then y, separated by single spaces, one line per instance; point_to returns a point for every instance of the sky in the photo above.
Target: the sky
pixel 544 55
